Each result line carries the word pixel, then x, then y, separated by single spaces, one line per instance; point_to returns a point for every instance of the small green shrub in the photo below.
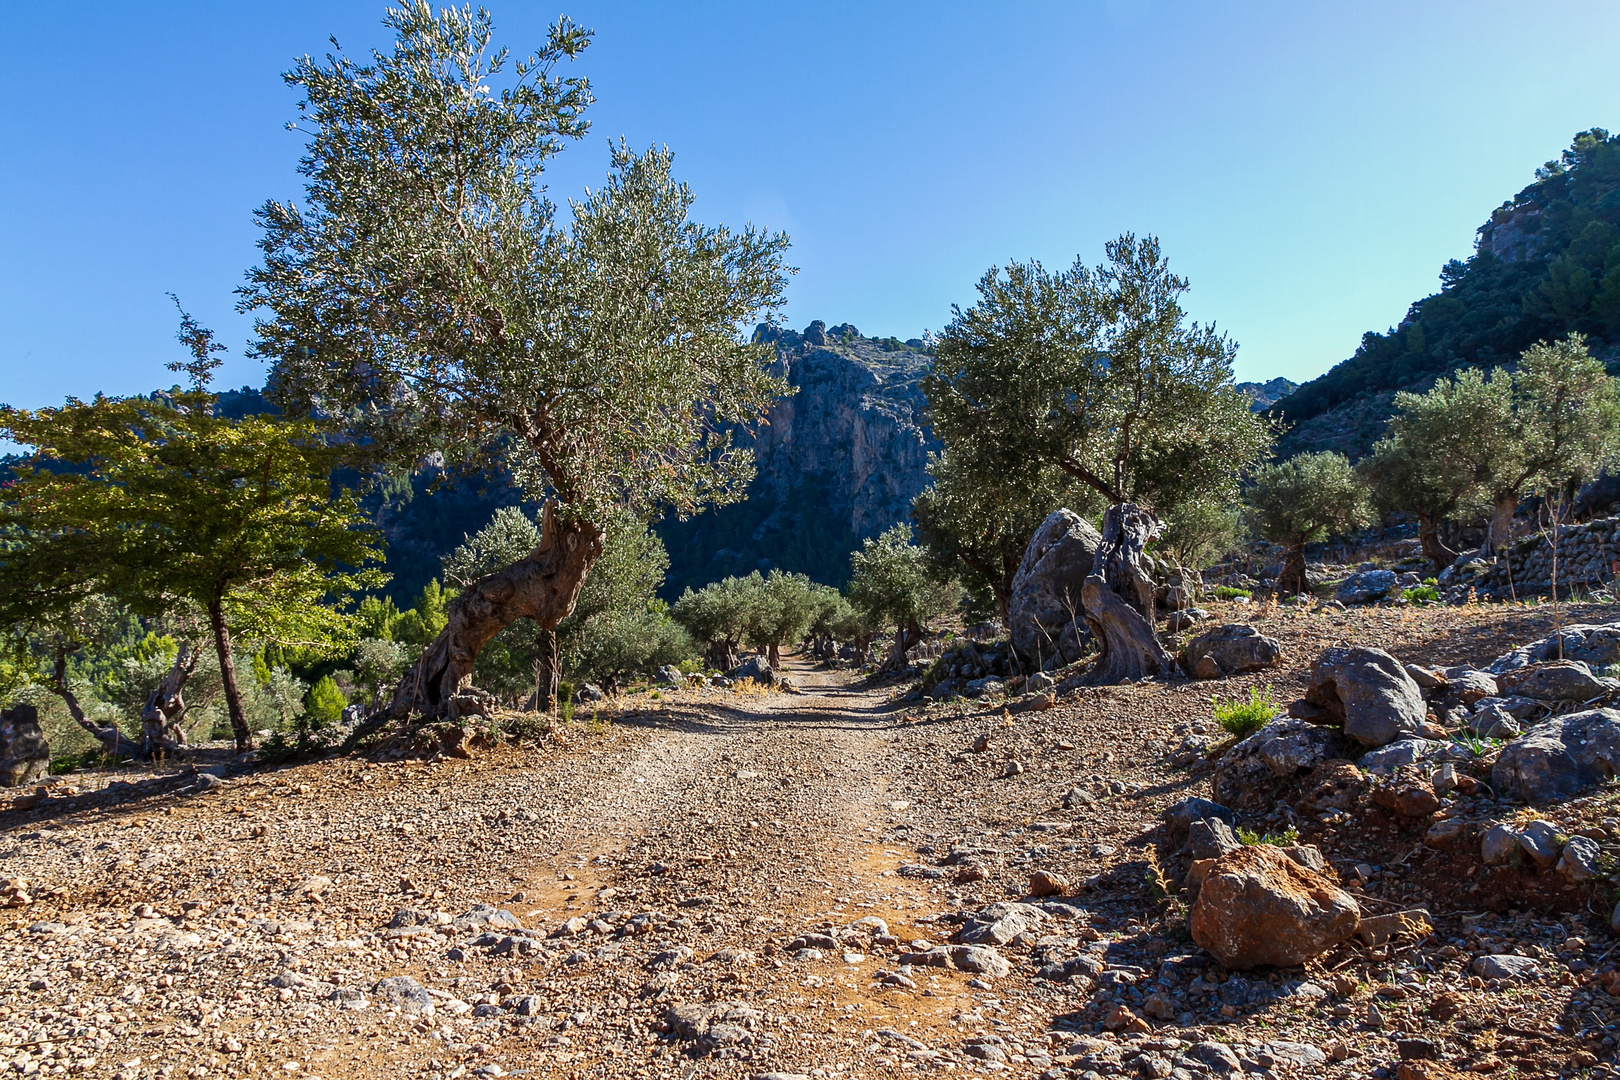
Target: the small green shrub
pixel 325 703
pixel 1287 838
pixel 1227 592
pixel 1422 594
pixel 1244 718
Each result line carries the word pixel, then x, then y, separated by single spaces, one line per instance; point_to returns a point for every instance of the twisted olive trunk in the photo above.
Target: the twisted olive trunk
pixel 543 586
pixel 1435 549
pixel 906 638
pixel 166 707
pixel 1500 531
pixel 1118 599
pixel 1293 581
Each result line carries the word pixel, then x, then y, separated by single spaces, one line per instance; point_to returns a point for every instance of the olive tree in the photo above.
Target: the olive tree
pixel 426 290
pixel 892 584
pixel 719 615
pixel 1099 373
pixel 1303 500
pixel 785 605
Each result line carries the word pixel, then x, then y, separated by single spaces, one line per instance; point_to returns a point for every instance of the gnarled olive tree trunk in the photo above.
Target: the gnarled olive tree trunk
pixel 1118 599
pixel 906 638
pixel 1499 529
pixel 543 586
pixel 166 707
pixel 1436 550
pixel 1294 579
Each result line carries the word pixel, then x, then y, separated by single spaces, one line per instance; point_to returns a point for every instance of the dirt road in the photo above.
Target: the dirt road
pixel 708 883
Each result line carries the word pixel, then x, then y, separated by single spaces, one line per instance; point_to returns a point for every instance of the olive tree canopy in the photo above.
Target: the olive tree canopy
pixel 1099 373
pixel 427 291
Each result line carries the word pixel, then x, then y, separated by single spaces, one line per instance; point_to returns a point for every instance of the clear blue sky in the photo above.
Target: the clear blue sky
pixel 1308 165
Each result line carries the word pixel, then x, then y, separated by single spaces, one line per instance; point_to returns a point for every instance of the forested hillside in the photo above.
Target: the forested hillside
pixel 1545 263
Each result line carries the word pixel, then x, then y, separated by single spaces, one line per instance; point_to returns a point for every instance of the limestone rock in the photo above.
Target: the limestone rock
pixel 1368 692
pixel 1044 611
pixel 1248 775
pixel 1047 883
pixel 1580 860
pixel 756 668
pixel 1470 684
pixel 1179 817
pixel 1498 844
pixel 1588 642
pixel 1504 967
pixel 1186 619
pixel 1366 587
pixel 1386 759
pixel 404 992
pixel 1491 722
pixel 1000 923
pixel 1560 757
pixel 25 754
pixel 1542 841
pixel 1210 838
pixel 1557 680
pixel 1232 648
pixel 1257 906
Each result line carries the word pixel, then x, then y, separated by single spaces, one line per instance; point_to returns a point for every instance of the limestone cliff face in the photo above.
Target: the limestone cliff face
pixel 838 461
pixel 856 424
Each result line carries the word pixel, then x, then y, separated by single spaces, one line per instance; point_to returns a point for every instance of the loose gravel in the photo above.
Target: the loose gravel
pixel 711 883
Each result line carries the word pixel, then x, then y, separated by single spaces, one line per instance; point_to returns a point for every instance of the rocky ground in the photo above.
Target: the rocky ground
pixel 710 883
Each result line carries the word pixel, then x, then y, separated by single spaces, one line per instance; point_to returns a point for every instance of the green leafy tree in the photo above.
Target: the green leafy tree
pixel 1099 373
pixel 719 615
pixel 624 641
pixel 893 585
pixel 166 504
pixel 1303 500
pixel 1198 532
pixel 785 605
pixel 1096 372
pixel 978 530
pixel 1497 437
pixel 1413 468
pixel 426 286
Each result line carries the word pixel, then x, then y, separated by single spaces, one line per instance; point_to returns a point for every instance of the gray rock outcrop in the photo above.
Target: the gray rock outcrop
pixel 1044 612
pixel 1366 587
pixel 1228 650
pixel 25 754
pixel 1367 692
pixel 1560 757
pixel 1590 643
pixel 1248 775
pixel 1556 680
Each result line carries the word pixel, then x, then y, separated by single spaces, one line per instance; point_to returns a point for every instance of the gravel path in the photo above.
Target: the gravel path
pixel 725 884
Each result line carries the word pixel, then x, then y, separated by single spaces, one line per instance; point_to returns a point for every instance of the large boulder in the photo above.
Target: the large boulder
pixel 1560 757
pixel 1556 680
pixel 1365 691
pixel 1366 587
pixel 1228 650
pixel 1250 775
pixel 25 753
pixel 1591 643
pixel 1258 906
pixel 1044 614
pixel 756 668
